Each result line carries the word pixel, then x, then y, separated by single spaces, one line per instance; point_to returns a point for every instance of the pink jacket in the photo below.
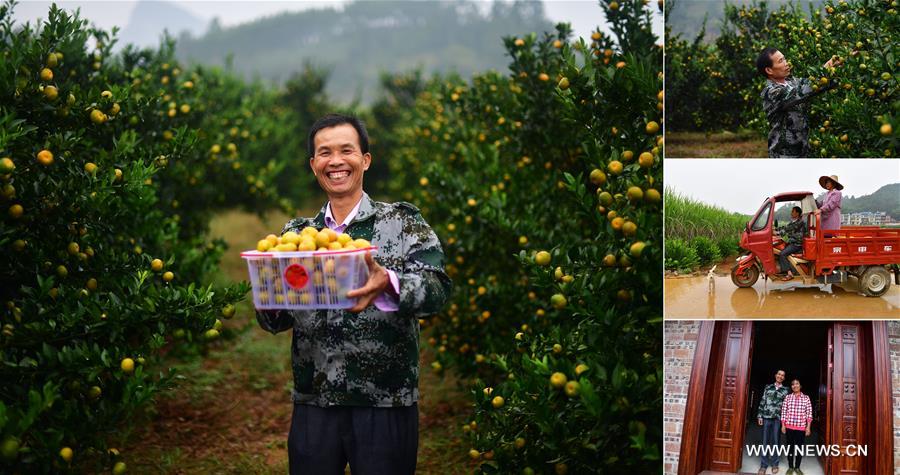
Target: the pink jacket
pixel 831 210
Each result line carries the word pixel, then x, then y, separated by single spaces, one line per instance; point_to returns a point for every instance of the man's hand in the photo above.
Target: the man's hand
pixel 833 62
pixel 807 431
pixel 379 280
pixel 783 429
pixel 759 421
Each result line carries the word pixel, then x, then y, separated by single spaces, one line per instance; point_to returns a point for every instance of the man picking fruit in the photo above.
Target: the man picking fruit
pixel 356 371
pixel 784 101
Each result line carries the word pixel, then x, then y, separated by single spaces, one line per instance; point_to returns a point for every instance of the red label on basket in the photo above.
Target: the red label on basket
pixel 296 276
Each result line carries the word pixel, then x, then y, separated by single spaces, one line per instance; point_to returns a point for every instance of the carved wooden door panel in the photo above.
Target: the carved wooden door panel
pixel 848 415
pixel 727 397
pixel 823 409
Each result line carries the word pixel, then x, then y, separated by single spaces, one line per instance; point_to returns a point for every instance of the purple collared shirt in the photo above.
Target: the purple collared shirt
pixel 384 302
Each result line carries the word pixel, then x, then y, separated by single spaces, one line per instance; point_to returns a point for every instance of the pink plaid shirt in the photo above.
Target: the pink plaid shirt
pixel 796 411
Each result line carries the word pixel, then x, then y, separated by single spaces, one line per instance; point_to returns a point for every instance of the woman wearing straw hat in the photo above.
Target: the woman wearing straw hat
pixel 830 204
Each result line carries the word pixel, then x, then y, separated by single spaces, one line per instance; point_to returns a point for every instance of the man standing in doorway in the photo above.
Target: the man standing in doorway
pixel 768 415
pixel 356 371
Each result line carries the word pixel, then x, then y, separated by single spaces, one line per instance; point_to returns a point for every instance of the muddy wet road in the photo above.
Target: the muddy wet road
pixel 688 297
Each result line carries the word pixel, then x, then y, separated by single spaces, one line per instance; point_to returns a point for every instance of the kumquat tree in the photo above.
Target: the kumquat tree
pixel 112 166
pixel 547 183
pixel 714 85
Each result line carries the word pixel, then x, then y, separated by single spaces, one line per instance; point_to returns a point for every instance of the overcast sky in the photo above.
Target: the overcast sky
pixel 741 185
pixel 584 15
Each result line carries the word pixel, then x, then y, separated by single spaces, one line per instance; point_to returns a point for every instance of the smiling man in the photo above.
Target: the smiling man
pixel 785 101
pixel 356 371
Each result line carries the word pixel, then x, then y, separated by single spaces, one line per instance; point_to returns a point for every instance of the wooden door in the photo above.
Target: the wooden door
pixel 824 403
pixel 727 393
pixel 849 393
pixel 858 354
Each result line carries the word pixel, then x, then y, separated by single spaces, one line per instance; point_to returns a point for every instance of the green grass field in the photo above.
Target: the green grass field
pixel 743 144
pixel 687 218
pixel 231 411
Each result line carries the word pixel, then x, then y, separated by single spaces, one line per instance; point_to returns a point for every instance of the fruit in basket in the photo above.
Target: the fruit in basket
pixel 307 244
pixel 332 284
pixel 286 247
pixel 310 281
pixel 290 237
pixel 311 239
pixel 322 238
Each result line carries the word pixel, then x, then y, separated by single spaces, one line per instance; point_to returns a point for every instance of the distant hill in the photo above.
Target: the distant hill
pixel 686 16
pixel 150 18
pixel 366 38
pixel 886 198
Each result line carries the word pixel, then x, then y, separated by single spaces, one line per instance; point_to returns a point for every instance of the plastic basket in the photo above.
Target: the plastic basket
pixel 306 279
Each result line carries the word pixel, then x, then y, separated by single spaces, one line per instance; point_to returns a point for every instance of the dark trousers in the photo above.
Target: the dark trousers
pixel 373 440
pixel 787 251
pixel 795 439
pixel 770 437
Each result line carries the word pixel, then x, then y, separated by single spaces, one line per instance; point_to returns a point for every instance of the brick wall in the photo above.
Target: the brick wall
pixel 678 354
pixel 894 336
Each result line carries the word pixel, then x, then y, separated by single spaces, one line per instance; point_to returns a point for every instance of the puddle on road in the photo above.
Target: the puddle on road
pixel 688 297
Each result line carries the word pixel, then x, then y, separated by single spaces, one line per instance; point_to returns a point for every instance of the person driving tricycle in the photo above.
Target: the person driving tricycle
pixel 792 234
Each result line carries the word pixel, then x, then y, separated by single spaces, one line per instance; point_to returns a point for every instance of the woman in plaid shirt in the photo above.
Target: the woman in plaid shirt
pixel 796 418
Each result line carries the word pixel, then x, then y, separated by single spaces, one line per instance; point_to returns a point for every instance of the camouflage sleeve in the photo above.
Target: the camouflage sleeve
pixel 789 232
pixel 424 286
pixel 296 225
pixel 275 321
pixel 798 94
pixel 796 236
pixel 781 96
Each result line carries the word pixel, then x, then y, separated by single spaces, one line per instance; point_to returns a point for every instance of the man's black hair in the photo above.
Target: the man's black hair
pixel 332 120
pixel 764 60
pixel 798 210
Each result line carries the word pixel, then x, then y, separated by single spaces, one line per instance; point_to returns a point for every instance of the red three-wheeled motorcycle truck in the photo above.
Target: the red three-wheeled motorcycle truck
pixel 830 256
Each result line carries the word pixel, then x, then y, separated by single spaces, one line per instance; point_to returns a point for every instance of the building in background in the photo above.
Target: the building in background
pixel 866 218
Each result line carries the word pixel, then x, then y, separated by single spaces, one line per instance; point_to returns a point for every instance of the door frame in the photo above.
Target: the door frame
pixel 883 434
pixel 881 446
